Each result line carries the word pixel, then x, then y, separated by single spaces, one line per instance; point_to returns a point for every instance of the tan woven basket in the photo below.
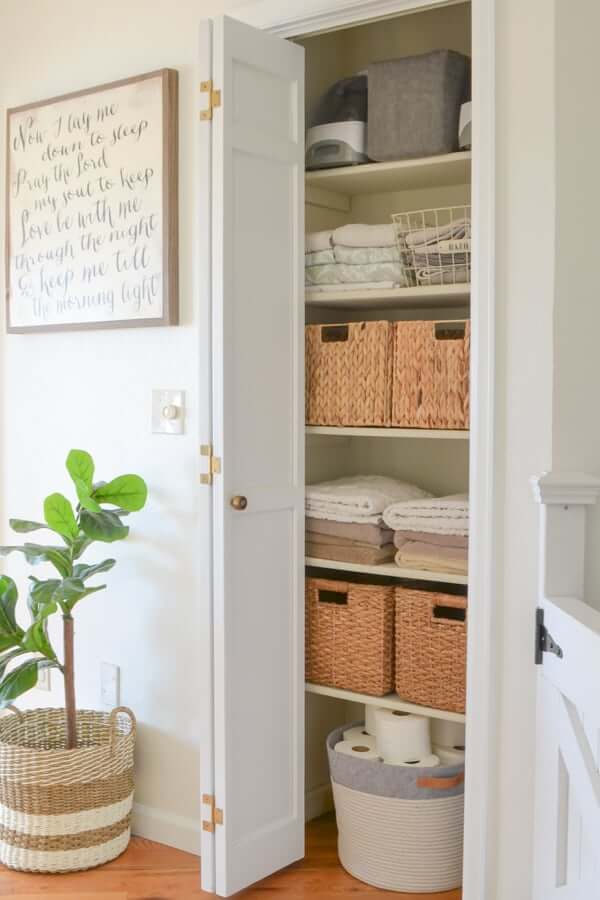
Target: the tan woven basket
pixel 350 636
pixel 431 375
pixel 431 648
pixel 64 810
pixel 348 374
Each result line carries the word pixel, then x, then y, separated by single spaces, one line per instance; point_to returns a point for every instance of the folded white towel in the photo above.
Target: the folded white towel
pixel 365 236
pixel 440 515
pixel 360 498
pixel 363 286
pixel 319 257
pixel 365 255
pixel 334 273
pixel 317 240
pixel 460 228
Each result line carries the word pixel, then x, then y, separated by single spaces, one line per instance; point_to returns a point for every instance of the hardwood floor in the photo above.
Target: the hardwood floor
pixel 148 871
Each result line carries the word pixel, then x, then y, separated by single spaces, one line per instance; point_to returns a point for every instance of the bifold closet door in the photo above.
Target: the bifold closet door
pixel 257 290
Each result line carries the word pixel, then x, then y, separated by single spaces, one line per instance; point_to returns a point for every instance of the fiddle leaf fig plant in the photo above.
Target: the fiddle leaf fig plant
pixel 96 516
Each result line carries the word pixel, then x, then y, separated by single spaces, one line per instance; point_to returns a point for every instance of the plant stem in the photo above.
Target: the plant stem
pixel 69 674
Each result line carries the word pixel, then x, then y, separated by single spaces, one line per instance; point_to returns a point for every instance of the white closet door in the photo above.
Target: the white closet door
pixel 258 421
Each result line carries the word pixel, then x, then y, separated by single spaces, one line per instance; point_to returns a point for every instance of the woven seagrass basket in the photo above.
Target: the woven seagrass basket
pixel 65 810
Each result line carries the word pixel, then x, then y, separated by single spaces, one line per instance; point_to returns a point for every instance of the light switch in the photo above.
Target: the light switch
pixel 168 412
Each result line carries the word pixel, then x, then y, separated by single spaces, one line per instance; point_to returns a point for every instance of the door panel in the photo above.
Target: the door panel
pixel 258 432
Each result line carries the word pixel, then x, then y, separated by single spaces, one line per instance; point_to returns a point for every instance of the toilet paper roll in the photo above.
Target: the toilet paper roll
pixel 402 737
pixel 359 736
pixel 428 762
pixel 447 734
pixel 370 724
pixel 358 750
pixel 450 756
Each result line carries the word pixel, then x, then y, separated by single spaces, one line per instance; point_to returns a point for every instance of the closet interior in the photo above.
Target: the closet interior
pixel 435 458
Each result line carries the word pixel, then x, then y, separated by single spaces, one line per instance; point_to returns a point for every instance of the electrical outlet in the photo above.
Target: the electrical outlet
pixel 109 685
pixel 43 682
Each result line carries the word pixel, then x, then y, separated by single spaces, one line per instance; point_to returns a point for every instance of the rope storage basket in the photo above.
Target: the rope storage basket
pixel 350 636
pixel 399 828
pixel 65 810
pixel 348 374
pixel 431 375
pixel 431 648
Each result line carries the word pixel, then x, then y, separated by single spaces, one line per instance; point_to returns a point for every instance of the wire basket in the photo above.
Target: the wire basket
pixel 435 245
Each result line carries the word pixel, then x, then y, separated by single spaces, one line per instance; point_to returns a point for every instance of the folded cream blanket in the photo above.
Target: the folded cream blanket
pixel 440 515
pixel 436 540
pixel 366 556
pixel 317 240
pixel 375 535
pixel 426 557
pixel 360 498
pixel 457 230
pixel 365 235
pixel 319 257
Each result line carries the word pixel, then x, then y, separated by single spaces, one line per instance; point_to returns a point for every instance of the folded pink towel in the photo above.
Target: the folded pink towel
pixel 436 540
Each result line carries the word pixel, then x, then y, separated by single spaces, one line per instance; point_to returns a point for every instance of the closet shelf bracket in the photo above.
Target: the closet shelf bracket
pixel 214 464
pixel 214 99
pixel 216 815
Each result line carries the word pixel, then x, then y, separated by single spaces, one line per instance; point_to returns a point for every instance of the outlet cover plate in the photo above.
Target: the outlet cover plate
pixel 109 685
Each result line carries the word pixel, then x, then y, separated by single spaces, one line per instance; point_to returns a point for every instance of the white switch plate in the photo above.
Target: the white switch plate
pixel 168 412
pixel 109 685
pixel 43 682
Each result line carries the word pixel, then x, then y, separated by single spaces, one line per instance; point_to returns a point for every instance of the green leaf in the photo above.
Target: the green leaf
pixel 128 491
pixel 36 639
pixel 91 590
pixel 104 526
pixel 59 515
pixel 41 592
pixel 79 546
pixel 22 679
pixel 6 658
pixel 8 603
pixel 80 467
pixel 85 572
pixel 37 553
pixel 9 640
pixel 23 526
pixel 85 498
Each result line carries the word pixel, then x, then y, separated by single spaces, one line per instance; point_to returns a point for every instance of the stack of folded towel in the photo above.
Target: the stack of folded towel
pixel 442 254
pixel 431 535
pixel 344 518
pixel 353 257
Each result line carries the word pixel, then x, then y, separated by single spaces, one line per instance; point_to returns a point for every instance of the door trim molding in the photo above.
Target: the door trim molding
pixel 304 17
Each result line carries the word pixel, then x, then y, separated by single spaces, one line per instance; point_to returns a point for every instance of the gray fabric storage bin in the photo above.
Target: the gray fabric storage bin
pixel 414 105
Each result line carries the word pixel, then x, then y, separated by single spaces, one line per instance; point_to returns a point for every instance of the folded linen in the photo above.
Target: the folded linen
pixel 367 556
pixel 359 498
pixel 364 286
pixel 459 541
pixel 364 534
pixel 365 255
pixel 319 257
pixel 439 260
pixel 449 275
pixel 439 515
pixel 332 540
pixel 355 274
pixel 457 230
pixel 318 240
pixel 426 557
pixel 365 235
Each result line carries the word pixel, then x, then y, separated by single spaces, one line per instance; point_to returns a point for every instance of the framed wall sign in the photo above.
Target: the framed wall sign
pixel 92 213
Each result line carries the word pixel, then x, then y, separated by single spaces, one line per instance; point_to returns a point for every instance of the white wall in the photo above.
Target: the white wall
pixel 93 390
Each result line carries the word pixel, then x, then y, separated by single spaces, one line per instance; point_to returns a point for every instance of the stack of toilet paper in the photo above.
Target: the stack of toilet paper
pixel 403 739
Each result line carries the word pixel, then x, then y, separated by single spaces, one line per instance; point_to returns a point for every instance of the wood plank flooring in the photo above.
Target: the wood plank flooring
pixel 149 871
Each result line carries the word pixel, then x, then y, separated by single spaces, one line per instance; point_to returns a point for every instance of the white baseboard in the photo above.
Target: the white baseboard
pixel 318 801
pixel 166 828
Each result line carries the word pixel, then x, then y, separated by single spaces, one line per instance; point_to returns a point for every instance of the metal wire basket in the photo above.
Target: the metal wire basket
pixel 435 244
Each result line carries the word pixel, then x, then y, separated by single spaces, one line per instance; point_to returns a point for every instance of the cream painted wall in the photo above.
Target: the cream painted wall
pixel 93 389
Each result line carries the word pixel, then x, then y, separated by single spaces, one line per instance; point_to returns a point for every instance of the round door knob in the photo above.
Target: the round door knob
pixel 239 502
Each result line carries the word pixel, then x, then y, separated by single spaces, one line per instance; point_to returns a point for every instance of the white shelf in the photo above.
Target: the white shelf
pixel 383 177
pixel 421 297
pixel 390 701
pixel 388 570
pixel 416 433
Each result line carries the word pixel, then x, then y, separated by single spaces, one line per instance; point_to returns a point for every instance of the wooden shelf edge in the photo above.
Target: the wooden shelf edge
pixel 407 433
pixel 390 701
pixel 387 570
pixel 423 296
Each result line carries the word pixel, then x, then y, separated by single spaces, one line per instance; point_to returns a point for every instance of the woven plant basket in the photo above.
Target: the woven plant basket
pixel 65 810
pixel 431 648
pixel 350 636
pixel 348 374
pixel 431 375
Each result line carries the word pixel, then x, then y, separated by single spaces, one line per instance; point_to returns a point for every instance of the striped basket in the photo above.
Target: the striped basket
pixel 65 810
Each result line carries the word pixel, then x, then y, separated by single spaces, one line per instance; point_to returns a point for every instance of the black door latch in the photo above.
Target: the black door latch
pixel 544 642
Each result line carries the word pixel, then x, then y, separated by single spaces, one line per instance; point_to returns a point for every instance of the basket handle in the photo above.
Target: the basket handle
pixel 453 611
pixel 13 709
pixel 441 784
pixel 113 724
pixel 450 331
pixel 332 592
pixel 334 334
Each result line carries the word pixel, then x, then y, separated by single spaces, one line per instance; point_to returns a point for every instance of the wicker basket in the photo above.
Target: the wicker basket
pixel 431 375
pixel 350 636
pixel 431 648
pixel 64 810
pixel 348 374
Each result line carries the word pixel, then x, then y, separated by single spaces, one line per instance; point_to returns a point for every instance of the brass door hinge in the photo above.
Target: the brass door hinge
pixel 214 99
pixel 214 464
pixel 216 815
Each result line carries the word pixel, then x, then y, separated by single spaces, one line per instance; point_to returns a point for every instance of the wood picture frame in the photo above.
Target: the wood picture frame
pixel 99 137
